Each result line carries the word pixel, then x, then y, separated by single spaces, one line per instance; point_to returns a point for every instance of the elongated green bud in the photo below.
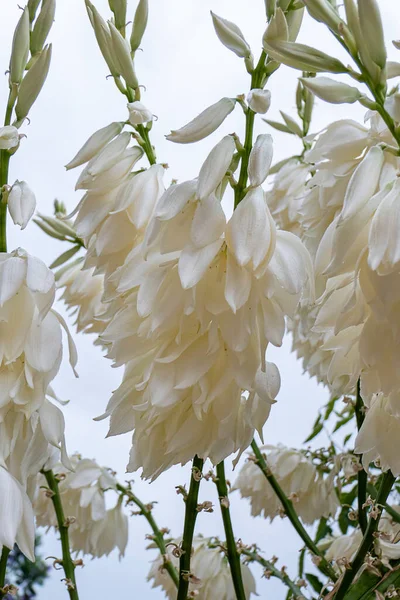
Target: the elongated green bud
pixel 32 8
pixel 32 83
pixel 300 56
pixel 20 48
pixel 372 30
pixel 139 24
pixel 332 91
pixel 42 26
pixel 122 57
pixel 119 9
pixel 103 37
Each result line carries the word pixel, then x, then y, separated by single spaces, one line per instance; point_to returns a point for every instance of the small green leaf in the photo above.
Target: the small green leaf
pixel 279 126
pixel 64 257
pixel 314 582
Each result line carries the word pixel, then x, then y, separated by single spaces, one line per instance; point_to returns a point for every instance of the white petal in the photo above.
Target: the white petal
pixel 194 262
pixel 44 343
pixel 39 278
pixel 208 222
pixel 174 199
pixel 260 159
pixel 12 275
pixel 94 144
pixel 237 285
pixel 215 167
pixel 363 182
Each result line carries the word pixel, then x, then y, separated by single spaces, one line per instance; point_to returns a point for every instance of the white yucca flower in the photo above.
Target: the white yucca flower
pixel 31 341
pixel 21 203
pixel 82 292
pixel 313 495
pixel 94 530
pixel 210 566
pixel 342 549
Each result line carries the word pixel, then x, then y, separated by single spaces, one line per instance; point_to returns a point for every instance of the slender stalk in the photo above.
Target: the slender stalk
pixel 4 164
pixel 361 475
pixel 367 541
pixel 257 80
pixel 3 567
pixel 272 571
pixel 188 530
pixel 158 536
pixel 233 554
pixel 147 147
pixel 67 563
pixel 322 564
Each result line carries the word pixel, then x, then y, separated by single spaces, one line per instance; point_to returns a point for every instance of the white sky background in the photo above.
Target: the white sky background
pixel 184 68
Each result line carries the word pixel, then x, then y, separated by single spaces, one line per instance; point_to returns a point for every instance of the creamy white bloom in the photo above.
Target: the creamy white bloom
pixel 138 113
pixel 21 203
pixel 313 495
pixel 210 566
pixel 342 548
pixel 16 516
pixel 259 100
pixel 204 124
pixel 9 137
pixel 95 530
pixel 82 292
pixel 31 344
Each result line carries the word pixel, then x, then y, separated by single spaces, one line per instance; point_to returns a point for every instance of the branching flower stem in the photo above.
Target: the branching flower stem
pixel 272 571
pixel 361 475
pixel 67 563
pixel 367 541
pixel 3 567
pixel 257 80
pixel 158 536
pixel 233 554
pixel 322 564
pixel 188 530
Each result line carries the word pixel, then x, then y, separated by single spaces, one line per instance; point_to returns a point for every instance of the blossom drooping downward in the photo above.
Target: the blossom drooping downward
pixel 192 302
pixel 313 495
pixel 211 570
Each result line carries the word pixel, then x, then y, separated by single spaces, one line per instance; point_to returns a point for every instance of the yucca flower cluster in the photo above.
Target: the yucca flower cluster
pixel 93 528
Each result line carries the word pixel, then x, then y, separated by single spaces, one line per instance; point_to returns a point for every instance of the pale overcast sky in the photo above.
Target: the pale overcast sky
pixel 184 68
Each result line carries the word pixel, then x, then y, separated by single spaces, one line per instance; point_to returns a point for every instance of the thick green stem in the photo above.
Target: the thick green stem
pixel 367 541
pixel 233 554
pixel 67 563
pixel 158 536
pixel 322 564
pixel 361 475
pixel 272 571
pixel 147 147
pixel 3 567
pixel 257 80
pixel 188 530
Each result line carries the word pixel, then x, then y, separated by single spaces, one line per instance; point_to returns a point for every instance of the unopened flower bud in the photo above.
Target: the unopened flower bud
pixel 330 90
pixel 42 25
pixel 259 100
pixel 9 137
pixel 139 24
pixel 260 159
pixel 230 36
pixel 20 48
pixel 323 11
pixel 32 83
pixel 138 113
pixel 103 37
pixel 21 203
pixel 277 28
pixel 204 124
pixel 372 30
pixel 302 57
pixel 122 57
pixel 215 167
pixel 119 9
pixel 94 144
